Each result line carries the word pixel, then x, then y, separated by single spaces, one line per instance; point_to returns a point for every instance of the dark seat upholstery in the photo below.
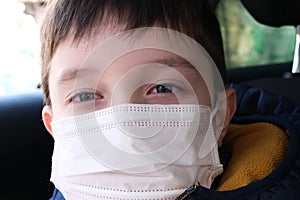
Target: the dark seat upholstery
pixel 269 77
pixel 274 12
pixel 25 148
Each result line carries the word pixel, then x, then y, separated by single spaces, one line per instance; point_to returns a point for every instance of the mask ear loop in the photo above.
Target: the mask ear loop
pixel 210 148
pixel 210 140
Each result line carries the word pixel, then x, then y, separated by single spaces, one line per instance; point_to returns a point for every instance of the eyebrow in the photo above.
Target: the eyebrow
pixel 172 61
pixel 71 74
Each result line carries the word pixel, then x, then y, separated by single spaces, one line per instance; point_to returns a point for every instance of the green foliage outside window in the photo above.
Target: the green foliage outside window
pixel 248 43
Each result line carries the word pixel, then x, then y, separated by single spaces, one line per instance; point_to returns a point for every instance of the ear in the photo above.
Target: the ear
pixel 230 110
pixel 47 118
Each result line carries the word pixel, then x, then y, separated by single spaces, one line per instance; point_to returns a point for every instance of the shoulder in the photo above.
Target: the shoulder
pixel 256 105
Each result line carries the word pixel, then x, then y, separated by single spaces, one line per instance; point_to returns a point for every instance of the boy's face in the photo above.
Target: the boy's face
pixel 84 78
pixel 147 76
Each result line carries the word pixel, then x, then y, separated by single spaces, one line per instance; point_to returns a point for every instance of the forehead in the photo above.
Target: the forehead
pixel 73 56
pixel 70 59
pixel 113 42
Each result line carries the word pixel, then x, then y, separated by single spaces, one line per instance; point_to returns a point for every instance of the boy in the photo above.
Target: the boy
pixel 136 106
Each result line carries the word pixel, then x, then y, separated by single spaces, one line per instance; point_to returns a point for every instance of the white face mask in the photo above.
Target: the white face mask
pixel 135 151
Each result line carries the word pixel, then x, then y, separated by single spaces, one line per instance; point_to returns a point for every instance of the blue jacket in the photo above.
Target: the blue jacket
pixel 255 105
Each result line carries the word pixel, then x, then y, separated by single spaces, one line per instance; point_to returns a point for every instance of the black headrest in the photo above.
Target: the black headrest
pixel 25 148
pixel 274 12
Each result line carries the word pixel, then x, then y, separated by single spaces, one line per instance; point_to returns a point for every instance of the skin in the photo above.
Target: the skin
pixel 78 90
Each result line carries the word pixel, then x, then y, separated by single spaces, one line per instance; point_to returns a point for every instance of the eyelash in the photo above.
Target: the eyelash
pixel 77 97
pixel 167 87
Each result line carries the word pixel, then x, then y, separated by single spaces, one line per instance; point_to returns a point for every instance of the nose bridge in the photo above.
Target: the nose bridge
pixel 127 93
pixel 127 83
pixel 138 97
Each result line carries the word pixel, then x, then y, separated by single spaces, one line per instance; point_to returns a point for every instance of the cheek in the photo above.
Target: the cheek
pixel 203 96
pixel 201 91
pixel 164 99
pixel 57 101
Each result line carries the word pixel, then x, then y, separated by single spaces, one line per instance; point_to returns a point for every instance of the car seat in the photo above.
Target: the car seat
pixel 25 148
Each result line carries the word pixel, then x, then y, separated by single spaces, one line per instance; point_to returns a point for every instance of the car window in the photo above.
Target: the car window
pixel 248 43
pixel 19 49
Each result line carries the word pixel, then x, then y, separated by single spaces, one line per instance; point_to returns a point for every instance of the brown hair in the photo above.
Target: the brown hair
pixel 81 18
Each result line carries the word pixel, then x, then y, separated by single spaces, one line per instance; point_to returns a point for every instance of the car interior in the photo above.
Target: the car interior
pixel 26 147
pixel 283 78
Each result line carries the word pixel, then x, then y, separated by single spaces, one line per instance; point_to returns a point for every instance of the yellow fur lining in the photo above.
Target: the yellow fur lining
pixel 256 150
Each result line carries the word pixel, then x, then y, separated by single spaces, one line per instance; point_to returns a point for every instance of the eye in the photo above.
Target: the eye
pixel 162 89
pixel 85 96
